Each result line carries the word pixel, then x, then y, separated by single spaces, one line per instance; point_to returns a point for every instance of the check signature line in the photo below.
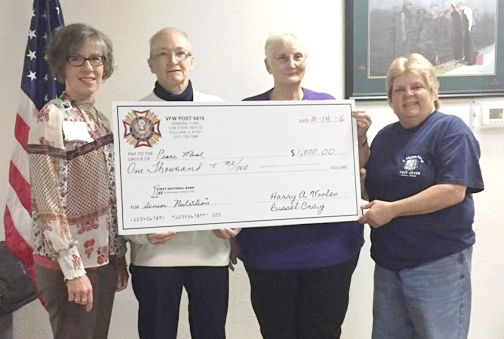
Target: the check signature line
pixel 300 199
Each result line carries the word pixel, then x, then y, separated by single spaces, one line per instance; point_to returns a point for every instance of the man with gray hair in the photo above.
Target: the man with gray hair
pixel 164 263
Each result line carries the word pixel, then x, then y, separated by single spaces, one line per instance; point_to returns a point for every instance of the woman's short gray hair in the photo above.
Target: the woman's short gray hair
pixel 282 37
pixel 69 39
pixel 419 65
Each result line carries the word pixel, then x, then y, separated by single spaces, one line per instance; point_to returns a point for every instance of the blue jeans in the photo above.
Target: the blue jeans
pixel 431 301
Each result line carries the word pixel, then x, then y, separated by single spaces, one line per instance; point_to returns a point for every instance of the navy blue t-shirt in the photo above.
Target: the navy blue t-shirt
pixel 404 162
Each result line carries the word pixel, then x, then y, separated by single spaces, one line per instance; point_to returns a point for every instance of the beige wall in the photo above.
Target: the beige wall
pixel 228 38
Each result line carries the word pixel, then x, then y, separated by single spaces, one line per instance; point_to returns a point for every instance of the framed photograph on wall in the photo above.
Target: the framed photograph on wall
pixel 463 40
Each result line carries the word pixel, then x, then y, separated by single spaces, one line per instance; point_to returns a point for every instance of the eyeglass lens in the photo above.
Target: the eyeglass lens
pixel 165 55
pixel 297 58
pixel 79 60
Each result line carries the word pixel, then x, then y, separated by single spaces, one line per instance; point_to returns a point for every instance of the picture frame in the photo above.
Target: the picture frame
pixel 379 31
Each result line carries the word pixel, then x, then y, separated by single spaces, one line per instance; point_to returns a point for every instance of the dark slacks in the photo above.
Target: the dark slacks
pixel 158 291
pixel 70 320
pixel 6 327
pixel 301 304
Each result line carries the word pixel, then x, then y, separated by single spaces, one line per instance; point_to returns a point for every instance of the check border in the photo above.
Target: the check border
pixel 259 222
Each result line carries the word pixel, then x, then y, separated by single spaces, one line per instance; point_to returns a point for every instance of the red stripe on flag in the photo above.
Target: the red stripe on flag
pixel 17 245
pixel 21 132
pixel 20 186
pixel 46 18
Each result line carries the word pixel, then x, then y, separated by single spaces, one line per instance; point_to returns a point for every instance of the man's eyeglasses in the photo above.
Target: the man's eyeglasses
pixel 78 61
pixel 285 58
pixel 164 55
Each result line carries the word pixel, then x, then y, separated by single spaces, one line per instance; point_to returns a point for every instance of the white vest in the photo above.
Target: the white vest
pixel 193 248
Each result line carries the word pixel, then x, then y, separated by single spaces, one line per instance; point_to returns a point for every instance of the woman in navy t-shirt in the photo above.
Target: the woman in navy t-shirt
pixel 420 178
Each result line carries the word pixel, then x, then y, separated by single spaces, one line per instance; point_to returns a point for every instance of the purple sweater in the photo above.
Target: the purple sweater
pixel 299 246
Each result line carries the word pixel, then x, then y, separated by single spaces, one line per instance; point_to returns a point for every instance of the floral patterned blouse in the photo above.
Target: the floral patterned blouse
pixel 73 187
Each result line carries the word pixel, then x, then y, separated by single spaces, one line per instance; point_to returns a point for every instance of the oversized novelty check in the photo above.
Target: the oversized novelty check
pixel 197 166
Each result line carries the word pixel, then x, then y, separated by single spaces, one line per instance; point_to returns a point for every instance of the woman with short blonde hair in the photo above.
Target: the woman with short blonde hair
pixel 421 175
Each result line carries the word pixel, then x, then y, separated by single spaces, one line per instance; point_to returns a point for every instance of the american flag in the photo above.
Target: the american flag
pixel 38 86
